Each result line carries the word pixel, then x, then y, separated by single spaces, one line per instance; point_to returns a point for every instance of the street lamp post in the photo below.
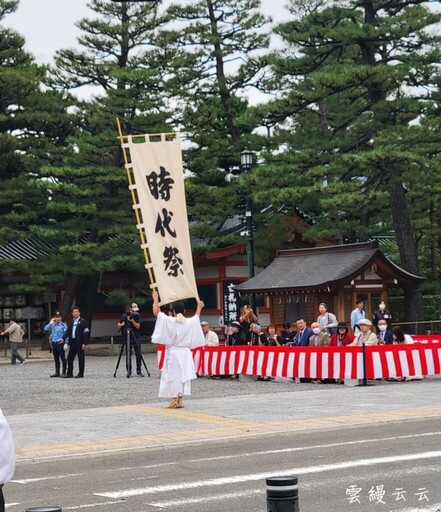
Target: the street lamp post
pixel 246 162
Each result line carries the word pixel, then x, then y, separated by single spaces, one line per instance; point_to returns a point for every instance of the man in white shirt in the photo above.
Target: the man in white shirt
pixel 211 338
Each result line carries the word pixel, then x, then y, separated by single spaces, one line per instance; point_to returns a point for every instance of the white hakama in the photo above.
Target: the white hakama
pixel 179 335
pixel 7 451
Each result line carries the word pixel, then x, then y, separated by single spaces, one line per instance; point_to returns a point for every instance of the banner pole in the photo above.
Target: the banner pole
pixel 138 218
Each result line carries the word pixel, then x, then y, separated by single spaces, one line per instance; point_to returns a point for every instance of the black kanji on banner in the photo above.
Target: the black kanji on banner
pixel 160 185
pixel 231 302
pixel 163 224
pixel 172 262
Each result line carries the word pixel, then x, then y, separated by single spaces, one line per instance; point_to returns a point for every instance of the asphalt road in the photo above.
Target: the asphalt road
pixel 106 443
pixel 380 466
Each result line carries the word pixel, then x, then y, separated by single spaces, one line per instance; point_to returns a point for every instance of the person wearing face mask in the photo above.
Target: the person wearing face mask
pixel 237 336
pixel 384 334
pixel 319 338
pixel 382 313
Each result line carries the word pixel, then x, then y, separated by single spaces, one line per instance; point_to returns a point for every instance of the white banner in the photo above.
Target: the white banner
pixel 156 164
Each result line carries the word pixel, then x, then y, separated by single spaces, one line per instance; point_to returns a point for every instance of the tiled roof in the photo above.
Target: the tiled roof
pixel 33 247
pixel 319 268
pixel 30 248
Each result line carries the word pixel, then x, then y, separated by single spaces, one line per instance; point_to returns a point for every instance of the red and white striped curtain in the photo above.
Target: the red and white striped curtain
pixel 382 362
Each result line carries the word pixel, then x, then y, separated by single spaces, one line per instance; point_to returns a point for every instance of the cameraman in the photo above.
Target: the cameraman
pixel 131 320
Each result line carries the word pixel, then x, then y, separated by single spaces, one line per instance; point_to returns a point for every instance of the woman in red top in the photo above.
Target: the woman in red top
pixel 341 338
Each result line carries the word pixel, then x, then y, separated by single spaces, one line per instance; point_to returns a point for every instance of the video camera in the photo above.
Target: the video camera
pixel 126 319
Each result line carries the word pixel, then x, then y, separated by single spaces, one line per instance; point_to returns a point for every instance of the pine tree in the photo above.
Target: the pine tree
pixel 32 131
pixel 216 50
pixel 90 206
pixel 357 78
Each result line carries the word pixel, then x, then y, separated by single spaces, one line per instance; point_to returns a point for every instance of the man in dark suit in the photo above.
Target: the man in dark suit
pixel 301 339
pixel 384 334
pixel 78 335
pixel 382 314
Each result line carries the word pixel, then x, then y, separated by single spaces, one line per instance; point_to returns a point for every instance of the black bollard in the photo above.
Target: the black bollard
pixel 282 494
pixel 44 509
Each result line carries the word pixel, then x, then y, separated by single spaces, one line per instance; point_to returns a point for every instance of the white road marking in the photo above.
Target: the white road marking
pixel 32 480
pixel 128 493
pixel 12 505
pixel 283 450
pixel 316 446
pixel 131 468
pixel 216 497
pixel 91 505
pixel 427 508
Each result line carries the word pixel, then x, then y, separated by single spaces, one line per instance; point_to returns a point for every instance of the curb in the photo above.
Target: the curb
pixel 92 350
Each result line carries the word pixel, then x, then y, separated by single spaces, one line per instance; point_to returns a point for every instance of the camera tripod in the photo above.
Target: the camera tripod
pixel 127 345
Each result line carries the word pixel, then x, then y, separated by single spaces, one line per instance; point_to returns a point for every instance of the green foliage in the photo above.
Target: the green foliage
pixel 88 213
pixel 353 121
pixel 216 51
pixel 33 127
pixel 352 130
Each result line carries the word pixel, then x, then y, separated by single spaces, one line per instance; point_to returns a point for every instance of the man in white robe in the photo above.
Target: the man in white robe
pixel 7 457
pixel 179 335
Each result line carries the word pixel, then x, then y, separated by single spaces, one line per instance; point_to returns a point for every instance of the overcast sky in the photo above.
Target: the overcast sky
pixel 49 25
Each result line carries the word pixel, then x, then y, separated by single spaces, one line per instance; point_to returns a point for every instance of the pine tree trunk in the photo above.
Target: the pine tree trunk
pixel 400 214
pixel 89 286
pixel 408 251
pixel 434 244
pixel 69 296
pixel 225 94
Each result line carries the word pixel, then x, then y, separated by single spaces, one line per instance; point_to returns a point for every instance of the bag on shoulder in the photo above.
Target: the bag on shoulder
pixel 331 330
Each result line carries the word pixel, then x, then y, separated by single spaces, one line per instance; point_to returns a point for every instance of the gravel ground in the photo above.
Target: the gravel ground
pixel 27 388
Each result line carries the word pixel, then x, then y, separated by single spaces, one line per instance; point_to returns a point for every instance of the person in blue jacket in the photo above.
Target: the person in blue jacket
pixel 57 328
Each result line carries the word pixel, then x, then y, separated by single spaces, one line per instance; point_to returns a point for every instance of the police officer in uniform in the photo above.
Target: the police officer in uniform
pixel 57 328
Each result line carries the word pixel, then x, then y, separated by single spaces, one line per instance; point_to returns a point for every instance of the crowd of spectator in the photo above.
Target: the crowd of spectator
pixel 326 330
